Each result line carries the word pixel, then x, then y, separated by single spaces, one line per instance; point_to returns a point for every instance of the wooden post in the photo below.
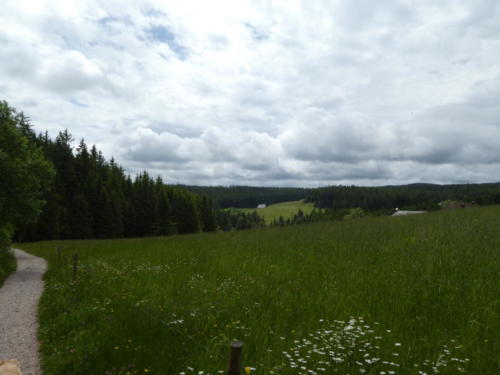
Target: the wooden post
pixel 75 266
pixel 235 359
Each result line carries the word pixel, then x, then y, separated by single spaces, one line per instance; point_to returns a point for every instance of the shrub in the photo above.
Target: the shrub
pixel 7 260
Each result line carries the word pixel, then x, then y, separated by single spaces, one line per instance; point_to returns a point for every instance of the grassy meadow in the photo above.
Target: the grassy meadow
pixel 285 209
pixel 383 295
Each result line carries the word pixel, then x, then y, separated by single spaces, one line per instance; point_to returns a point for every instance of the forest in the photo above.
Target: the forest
pixel 91 197
pixel 414 196
pixel 248 196
pixel 82 195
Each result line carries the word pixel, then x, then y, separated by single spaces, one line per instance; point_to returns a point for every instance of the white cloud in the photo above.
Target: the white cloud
pixel 265 92
pixel 69 71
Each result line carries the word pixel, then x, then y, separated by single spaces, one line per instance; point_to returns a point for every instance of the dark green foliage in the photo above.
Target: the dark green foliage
pixel 93 198
pixel 24 171
pixel 208 215
pixel 235 219
pixel 89 197
pixel 413 197
pixel 24 174
pixel 7 261
pixel 186 212
pixel 354 213
pixel 248 196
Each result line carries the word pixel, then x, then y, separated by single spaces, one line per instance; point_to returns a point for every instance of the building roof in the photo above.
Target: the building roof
pixel 403 213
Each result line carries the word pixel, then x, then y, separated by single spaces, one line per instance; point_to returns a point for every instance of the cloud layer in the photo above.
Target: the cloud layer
pixel 301 93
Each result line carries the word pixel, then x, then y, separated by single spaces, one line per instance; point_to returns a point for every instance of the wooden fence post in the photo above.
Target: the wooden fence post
pixel 75 266
pixel 235 359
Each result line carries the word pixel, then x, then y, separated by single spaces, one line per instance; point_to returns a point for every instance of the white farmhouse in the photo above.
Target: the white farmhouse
pixel 261 205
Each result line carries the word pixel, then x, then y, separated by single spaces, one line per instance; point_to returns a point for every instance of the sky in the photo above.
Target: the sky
pixel 265 93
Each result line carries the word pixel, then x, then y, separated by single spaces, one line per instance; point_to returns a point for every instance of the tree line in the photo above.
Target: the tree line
pixel 248 196
pixel 24 175
pixel 49 190
pixel 412 197
pixel 91 197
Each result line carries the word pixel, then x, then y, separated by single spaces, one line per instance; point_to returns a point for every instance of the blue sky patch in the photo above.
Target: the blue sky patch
pixel 78 103
pixel 256 34
pixel 163 34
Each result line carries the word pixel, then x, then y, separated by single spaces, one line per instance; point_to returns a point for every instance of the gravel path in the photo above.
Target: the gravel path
pixel 18 312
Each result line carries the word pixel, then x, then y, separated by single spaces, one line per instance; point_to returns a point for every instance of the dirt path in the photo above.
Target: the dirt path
pixel 18 312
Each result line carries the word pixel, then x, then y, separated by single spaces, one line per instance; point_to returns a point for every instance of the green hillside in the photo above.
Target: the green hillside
pixel 286 210
pixel 394 295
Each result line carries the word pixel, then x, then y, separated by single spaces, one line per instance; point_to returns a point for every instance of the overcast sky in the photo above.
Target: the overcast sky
pixel 274 93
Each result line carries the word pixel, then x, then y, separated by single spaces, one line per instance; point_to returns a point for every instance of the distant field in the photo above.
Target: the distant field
pixel 385 295
pixel 286 209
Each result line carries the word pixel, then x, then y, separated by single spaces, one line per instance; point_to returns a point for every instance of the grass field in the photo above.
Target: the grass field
pixel 286 210
pixel 385 295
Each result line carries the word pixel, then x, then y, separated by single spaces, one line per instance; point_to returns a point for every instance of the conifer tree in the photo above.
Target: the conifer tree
pixel 207 214
pixel 93 198
pixel 24 171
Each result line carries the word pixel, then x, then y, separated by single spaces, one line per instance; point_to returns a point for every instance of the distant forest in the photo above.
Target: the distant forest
pixel 370 199
pixel 247 196
pixel 414 196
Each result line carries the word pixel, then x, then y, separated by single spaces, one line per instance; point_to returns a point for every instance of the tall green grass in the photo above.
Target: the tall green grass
pixel 394 295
